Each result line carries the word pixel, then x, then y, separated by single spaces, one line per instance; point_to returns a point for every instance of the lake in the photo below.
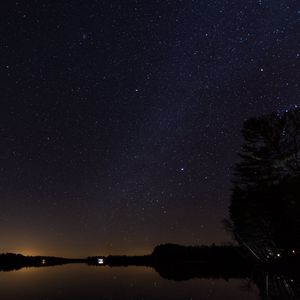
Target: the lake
pixel 80 281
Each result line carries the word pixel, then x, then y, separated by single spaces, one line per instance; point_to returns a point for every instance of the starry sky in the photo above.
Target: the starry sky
pixel 120 120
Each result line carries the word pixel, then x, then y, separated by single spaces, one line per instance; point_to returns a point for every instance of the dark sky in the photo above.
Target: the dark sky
pixel 120 120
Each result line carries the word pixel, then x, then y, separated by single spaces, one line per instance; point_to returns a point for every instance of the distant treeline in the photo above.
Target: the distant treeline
pixel 122 260
pixel 199 254
pixel 177 254
pixel 213 259
pixel 12 261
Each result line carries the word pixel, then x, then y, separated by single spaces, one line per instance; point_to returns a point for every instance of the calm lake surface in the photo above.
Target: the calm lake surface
pixel 80 281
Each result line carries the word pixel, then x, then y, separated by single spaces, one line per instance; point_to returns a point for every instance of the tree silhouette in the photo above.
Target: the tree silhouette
pixel 265 201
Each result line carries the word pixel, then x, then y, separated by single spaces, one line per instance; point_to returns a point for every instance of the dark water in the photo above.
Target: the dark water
pixel 79 281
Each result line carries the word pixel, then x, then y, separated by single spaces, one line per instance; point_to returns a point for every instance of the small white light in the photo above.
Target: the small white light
pixel 43 261
pixel 293 251
pixel 278 254
pixel 100 261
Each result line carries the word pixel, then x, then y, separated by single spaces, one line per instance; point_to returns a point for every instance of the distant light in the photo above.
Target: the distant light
pixel 43 261
pixel 100 261
pixel 293 251
pixel 278 254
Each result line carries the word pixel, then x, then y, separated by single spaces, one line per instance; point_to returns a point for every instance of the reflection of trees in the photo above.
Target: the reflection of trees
pixel 277 286
pixel 272 286
pixel 265 204
pixel 274 282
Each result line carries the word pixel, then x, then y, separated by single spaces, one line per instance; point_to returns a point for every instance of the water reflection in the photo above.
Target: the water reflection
pixel 277 286
pixel 79 281
pixel 186 281
pixel 271 284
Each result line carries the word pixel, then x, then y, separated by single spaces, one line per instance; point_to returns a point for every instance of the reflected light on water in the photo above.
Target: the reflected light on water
pixel 91 282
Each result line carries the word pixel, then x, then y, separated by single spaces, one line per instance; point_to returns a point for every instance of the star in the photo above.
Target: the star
pixel 127 115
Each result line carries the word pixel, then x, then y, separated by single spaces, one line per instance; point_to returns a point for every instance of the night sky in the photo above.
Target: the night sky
pixel 120 120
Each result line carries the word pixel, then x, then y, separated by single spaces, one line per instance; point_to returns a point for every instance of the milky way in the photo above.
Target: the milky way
pixel 120 120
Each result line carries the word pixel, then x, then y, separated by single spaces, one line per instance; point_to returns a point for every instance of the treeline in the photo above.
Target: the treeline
pixel 122 260
pixel 12 261
pixel 177 254
pixel 199 254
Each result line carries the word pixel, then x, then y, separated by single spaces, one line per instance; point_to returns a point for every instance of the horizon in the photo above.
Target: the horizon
pixel 146 251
